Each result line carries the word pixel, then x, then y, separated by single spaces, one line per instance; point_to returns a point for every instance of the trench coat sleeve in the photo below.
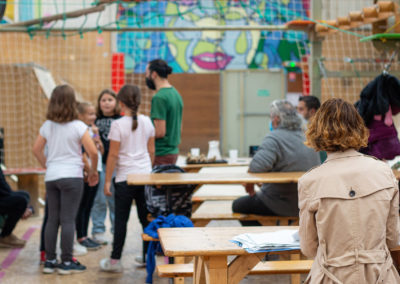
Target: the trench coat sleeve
pixel 308 228
pixel 392 226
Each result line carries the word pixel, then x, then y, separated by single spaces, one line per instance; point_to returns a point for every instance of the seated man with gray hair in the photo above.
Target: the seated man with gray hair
pixel 282 150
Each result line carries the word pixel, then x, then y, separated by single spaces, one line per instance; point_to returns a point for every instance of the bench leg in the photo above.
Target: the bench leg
pixel 30 183
pixel 179 260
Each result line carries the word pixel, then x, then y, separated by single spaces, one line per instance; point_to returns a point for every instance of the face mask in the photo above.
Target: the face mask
pixel 150 84
pixel 271 128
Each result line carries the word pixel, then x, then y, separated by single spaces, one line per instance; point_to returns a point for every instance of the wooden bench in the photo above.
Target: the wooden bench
pixel 180 271
pixel 28 179
pixel 217 192
pixel 222 210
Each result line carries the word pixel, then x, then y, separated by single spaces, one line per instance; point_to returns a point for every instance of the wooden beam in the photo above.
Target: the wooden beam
pixel 241 266
pixel 67 15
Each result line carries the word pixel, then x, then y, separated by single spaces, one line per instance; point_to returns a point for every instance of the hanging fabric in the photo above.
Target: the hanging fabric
pixel 379 100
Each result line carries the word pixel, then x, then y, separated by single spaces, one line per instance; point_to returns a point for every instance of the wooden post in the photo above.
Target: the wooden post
pixel 316 52
pixel 179 260
pixel 30 183
pixel 216 269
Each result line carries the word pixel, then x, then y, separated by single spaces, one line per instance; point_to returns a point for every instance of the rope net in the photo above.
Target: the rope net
pixel 81 52
pixel 352 63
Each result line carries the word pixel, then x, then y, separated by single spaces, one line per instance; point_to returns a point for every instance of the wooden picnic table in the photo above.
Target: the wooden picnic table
pixel 213 178
pixel 194 168
pixel 210 247
pixel 28 179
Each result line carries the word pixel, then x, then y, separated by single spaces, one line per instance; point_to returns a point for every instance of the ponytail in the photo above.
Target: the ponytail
pixel 135 121
pixel 130 96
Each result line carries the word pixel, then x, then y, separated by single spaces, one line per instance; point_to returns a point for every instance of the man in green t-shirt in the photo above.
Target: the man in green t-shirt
pixel 166 112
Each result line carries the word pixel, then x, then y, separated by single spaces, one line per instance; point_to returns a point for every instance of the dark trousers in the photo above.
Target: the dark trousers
pixel 165 160
pixel 83 216
pixel 14 206
pixel 124 195
pixel 46 216
pixel 251 205
pixel 63 196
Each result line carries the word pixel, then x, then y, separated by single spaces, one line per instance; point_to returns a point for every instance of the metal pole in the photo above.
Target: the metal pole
pixel 146 29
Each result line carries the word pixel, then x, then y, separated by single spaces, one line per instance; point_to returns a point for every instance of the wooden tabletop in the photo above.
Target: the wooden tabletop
pixel 24 171
pixel 208 241
pixel 212 178
pixel 240 162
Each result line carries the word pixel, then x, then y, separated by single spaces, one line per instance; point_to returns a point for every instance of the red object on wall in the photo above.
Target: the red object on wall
pixel 117 71
pixel 305 75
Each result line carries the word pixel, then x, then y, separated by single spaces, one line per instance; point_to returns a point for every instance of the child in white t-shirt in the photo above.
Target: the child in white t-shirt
pixel 131 151
pixel 64 136
pixel 87 113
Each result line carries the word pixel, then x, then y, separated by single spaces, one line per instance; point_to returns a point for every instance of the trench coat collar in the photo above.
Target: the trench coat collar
pixel 344 154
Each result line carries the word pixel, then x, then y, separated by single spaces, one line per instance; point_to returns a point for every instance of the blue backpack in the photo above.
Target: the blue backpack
pixel 176 199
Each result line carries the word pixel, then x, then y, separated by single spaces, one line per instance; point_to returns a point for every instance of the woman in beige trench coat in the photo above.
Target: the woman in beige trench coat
pixel 349 206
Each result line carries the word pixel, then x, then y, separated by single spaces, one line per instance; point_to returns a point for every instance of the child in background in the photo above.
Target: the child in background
pixel 107 112
pixel 64 135
pixel 87 113
pixel 131 151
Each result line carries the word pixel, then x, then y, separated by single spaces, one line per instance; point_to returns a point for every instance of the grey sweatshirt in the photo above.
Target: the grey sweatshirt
pixel 283 151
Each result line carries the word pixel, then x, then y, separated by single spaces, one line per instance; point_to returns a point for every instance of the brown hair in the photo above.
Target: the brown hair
pixel 161 67
pixel 130 96
pixel 336 126
pixel 62 105
pixel 82 106
pixel 110 92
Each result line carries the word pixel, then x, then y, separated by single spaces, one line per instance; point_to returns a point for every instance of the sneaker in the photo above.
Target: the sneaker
pixel 69 267
pixel 50 266
pixel 100 238
pixel 139 261
pixel 12 241
pixel 105 265
pixel 93 242
pixel 79 249
pixel 90 245
pixel 42 257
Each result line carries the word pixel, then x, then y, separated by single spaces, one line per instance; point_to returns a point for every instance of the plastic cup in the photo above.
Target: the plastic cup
pixel 195 152
pixel 233 156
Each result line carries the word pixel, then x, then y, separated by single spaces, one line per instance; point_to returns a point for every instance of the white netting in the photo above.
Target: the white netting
pixel 88 53
pixel 351 59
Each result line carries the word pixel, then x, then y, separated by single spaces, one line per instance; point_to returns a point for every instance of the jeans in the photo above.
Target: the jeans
pixel 124 195
pixel 99 209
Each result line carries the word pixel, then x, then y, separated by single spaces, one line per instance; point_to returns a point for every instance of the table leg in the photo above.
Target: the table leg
pixel 295 278
pixel 180 260
pixel 198 275
pixel 30 183
pixel 241 266
pixel 216 269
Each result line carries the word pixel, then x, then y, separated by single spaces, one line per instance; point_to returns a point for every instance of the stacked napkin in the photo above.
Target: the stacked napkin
pixel 269 241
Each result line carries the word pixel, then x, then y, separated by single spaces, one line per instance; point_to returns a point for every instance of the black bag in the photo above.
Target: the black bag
pixel 169 199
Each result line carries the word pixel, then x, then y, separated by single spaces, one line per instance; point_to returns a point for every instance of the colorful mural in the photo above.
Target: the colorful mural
pixel 205 51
